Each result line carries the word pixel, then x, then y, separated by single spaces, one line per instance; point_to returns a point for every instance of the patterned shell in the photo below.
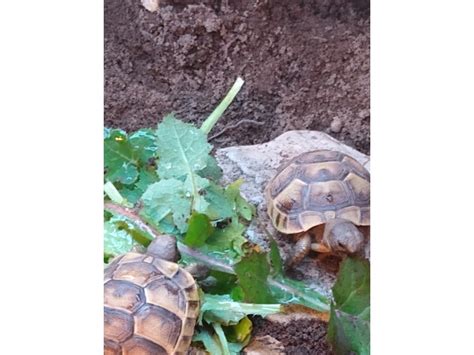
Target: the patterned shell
pixel 318 186
pixel 150 306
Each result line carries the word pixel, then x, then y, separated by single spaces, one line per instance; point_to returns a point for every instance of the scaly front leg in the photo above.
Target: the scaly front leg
pixel 300 250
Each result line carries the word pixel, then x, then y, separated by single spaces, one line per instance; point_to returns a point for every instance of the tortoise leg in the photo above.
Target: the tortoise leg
pixel 320 248
pixel 301 249
pixel 323 251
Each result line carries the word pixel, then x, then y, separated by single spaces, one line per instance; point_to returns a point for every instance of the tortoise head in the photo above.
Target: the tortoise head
pixel 343 236
pixel 164 247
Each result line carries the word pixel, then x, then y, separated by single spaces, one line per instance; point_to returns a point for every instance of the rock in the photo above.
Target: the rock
pixel 151 5
pixel 256 165
pixel 336 125
pixel 264 345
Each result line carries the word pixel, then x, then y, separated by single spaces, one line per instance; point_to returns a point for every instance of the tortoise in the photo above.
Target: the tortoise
pixel 321 193
pixel 150 302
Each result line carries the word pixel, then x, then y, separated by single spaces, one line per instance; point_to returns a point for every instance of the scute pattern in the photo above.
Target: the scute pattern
pixel 123 295
pixel 150 306
pixel 315 187
pixel 140 346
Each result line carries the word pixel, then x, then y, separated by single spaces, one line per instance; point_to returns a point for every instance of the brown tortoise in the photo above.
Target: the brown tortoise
pixel 322 189
pixel 150 303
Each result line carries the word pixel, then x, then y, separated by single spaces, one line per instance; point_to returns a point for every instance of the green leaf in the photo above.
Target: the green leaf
pixel 275 257
pixel 183 151
pixel 211 341
pixel 236 348
pixel 245 209
pixel 241 206
pixel 219 310
pixel 222 309
pixel 181 147
pixel 252 272
pixel 226 244
pixel 220 206
pixel 286 290
pixel 223 283
pixel 116 241
pixel 144 146
pixel 237 294
pixel 258 283
pixel 349 325
pixel 120 164
pixel 212 171
pixel 227 203
pixel 128 225
pixel 167 198
pixel 194 186
pixel 133 193
pixel 199 229
pixel 348 334
pixel 213 344
pixel 239 333
pixel 352 289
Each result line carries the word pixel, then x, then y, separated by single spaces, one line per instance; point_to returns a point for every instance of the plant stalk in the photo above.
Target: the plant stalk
pixel 112 192
pixel 210 122
pixel 132 216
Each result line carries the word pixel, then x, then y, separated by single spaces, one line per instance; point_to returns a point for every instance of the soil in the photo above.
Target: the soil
pixel 305 64
pixel 303 337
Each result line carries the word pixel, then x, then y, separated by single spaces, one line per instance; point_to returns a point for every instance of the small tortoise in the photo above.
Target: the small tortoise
pixel 150 302
pixel 322 193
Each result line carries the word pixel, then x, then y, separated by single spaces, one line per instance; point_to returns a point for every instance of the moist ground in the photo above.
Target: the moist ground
pixel 305 64
pixel 301 337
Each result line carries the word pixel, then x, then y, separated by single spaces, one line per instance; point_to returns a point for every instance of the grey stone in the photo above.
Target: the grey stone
pixel 256 165
pixel 151 5
pixel 336 125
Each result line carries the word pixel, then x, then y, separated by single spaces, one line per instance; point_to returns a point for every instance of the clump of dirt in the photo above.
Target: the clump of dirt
pixel 303 336
pixel 305 64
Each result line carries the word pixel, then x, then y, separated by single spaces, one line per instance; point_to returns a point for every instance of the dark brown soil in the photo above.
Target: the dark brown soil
pixel 305 64
pixel 301 337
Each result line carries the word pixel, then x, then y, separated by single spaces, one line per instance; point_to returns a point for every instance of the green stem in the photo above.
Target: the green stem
pixel 210 122
pixel 138 221
pixel 112 192
pixel 222 338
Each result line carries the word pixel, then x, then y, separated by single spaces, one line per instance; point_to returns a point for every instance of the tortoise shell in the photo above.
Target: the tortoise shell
pixel 315 187
pixel 150 306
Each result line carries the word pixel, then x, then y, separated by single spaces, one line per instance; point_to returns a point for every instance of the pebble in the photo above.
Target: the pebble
pixel 151 5
pixel 336 125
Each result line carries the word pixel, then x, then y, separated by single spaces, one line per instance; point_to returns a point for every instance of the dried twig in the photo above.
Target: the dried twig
pixel 241 122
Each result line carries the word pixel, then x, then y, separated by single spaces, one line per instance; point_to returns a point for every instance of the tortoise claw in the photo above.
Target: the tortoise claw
pixel 320 248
